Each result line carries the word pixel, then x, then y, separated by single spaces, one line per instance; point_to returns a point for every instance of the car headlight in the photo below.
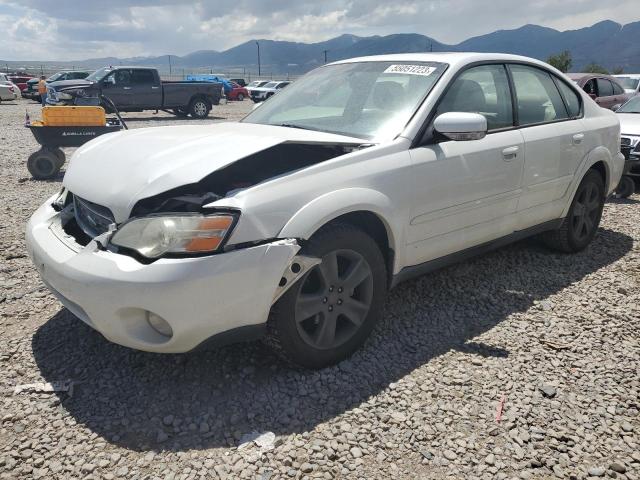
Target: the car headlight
pixel 154 236
pixel 64 96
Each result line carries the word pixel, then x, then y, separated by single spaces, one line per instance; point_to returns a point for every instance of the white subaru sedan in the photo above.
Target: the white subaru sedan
pixel 292 224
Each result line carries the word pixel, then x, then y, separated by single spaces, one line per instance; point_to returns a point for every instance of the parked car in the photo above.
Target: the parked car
pixel 8 92
pixel 134 89
pixel 293 223
pixel 239 81
pixel 237 93
pixel 32 85
pixel 604 89
pixel 4 80
pixel 629 115
pixel 257 83
pixel 630 82
pixel 20 79
pixel 259 94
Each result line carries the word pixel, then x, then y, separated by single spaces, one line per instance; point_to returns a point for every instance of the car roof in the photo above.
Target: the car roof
pixel 628 75
pixel 454 59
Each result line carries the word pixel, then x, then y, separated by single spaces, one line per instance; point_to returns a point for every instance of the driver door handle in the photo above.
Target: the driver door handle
pixel 510 153
pixel 577 138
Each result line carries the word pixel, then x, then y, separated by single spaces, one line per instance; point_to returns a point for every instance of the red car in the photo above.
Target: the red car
pixel 20 80
pixel 238 92
pixel 604 89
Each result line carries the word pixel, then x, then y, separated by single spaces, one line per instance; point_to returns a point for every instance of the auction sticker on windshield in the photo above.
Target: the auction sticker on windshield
pixel 411 69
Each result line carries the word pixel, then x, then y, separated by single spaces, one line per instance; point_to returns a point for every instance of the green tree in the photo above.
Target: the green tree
pixel 618 70
pixel 562 61
pixel 595 68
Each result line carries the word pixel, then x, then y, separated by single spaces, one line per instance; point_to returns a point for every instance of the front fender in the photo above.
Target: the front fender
pixel 321 210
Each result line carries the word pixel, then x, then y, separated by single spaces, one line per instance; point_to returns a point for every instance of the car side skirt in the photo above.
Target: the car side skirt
pixel 413 271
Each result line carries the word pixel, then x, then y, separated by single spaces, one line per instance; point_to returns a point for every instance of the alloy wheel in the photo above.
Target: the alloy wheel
pixel 586 211
pixel 334 299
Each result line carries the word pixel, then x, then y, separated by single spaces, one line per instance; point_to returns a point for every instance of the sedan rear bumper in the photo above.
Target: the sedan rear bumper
pixel 115 294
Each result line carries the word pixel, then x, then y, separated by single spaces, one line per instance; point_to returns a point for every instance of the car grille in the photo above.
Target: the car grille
pixel 625 142
pixel 93 219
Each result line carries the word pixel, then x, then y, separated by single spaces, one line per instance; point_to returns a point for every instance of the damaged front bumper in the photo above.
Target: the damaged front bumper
pixel 200 298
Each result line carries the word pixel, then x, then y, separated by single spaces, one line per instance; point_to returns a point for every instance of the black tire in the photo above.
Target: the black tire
pixel 43 164
pixel 581 223
pixel 60 156
pixel 626 187
pixel 240 97
pixel 199 108
pixel 346 311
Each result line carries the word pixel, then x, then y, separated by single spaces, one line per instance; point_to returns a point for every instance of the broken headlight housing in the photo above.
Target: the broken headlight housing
pixel 157 235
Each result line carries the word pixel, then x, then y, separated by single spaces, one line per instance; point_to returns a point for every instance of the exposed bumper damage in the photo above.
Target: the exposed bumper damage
pixel 198 297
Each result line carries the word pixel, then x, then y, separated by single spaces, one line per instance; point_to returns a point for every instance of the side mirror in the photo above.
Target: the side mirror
pixel 109 81
pixel 615 108
pixel 461 126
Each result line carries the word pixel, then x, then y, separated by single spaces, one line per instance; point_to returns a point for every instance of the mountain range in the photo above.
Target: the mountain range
pixel 607 43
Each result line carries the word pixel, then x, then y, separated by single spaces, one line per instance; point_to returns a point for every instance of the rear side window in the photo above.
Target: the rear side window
pixel 617 89
pixel 142 77
pixel 571 98
pixel 484 90
pixel 538 98
pixel 605 88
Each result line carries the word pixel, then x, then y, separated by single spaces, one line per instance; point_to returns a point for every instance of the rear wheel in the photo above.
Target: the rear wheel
pixel 582 221
pixel 330 312
pixel 626 187
pixel 199 108
pixel 43 164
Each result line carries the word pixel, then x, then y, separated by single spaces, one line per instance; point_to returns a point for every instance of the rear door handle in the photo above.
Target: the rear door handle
pixel 126 88
pixel 510 153
pixel 577 138
pixel 154 87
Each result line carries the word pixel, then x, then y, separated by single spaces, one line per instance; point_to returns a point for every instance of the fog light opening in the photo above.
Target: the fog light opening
pixel 159 324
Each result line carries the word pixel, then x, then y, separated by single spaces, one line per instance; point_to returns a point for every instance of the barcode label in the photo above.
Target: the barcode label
pixel 411 69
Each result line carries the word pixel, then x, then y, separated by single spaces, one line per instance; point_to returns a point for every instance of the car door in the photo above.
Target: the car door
pixel 117 87
pixel 145 89
pixel 466 192
pixel 548 115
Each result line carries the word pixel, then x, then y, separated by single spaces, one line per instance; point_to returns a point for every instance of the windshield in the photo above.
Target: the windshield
pixel 628 83
pixel 55 77
pixel 632 106
pixel 99 74
pixel 370 100
pixel 271 85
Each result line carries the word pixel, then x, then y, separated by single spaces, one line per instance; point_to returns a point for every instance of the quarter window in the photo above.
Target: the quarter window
pixel 484 90
pixel 142 77
pixel 605 89
pixel 571 99
pixel 617 89
pixel 538 98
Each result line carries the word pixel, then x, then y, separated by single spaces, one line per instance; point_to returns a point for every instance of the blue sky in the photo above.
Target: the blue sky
pixel 68 30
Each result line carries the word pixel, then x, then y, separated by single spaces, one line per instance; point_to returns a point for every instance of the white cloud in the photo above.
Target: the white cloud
pixel 66 29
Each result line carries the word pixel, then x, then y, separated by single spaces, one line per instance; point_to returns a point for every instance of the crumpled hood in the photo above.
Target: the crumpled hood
pixel 118 169
pixel 629 123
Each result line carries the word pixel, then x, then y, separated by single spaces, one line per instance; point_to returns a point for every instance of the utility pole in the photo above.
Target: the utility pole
pixel 258 45
pixel 169 65
pixel 325 55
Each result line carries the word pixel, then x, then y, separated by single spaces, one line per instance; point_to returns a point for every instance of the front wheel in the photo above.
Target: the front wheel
pixel 199 108
pixel 582 221
pixel 330 312
pixel 240 97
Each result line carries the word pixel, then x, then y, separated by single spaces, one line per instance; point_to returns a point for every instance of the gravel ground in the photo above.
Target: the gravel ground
pixel 547 342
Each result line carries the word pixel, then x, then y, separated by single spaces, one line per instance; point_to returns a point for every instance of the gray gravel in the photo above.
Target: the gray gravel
pixel 552 338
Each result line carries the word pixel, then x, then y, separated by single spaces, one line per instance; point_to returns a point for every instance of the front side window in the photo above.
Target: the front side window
pixel 605 88
pixel 368 100
pixel 484 90
pixel 537 96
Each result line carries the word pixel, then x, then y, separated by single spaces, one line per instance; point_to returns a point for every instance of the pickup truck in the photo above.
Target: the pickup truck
pixel 134 89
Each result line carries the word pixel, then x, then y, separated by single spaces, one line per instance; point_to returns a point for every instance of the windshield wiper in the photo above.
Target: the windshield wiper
pixel 291 125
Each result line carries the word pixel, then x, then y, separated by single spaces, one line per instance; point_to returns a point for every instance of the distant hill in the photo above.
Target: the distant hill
pixel 606 43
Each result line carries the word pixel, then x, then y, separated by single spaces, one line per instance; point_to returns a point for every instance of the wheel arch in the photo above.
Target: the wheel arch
pixel 364 208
